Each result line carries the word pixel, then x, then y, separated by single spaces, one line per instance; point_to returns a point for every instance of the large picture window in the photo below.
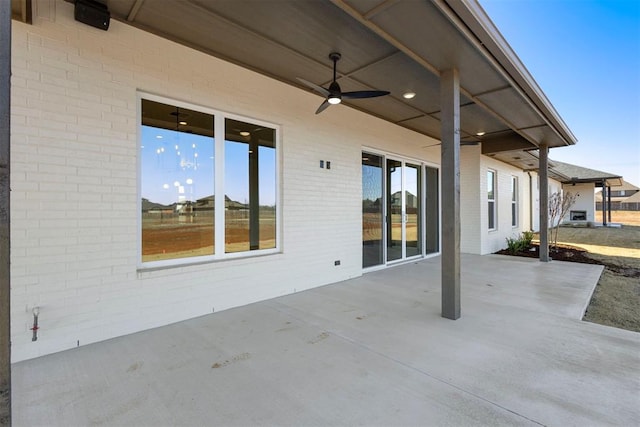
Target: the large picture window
pixel 491 198
pixel 181 175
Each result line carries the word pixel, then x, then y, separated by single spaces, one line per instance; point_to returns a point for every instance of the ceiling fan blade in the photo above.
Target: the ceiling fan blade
pixel 323 107
pixel 324 92
pixel 364 94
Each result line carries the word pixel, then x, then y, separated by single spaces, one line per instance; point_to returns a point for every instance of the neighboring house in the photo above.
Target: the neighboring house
pixel 618 196
pixel 631 203
pixel 121 140
pixel 582 182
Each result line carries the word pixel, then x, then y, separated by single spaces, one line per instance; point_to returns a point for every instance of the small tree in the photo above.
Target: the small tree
pixel 559 205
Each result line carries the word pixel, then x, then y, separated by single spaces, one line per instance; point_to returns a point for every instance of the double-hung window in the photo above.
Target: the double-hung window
pixel 491 199
pixel 208 184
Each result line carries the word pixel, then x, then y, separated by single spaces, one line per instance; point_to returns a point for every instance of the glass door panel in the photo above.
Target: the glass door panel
pixel 372 210
pixel 431 211
pixel 412 210
pixel 394 210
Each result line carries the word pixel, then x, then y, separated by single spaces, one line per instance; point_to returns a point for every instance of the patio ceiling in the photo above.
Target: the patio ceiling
pixel 395 45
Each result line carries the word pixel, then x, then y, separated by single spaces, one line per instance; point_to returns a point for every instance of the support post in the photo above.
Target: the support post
pixel 604 203
pixel 450 161
pixel 5 286
pixel 609 202
pixel 544 203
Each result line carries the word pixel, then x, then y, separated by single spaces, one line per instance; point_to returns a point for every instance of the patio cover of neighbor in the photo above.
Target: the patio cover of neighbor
pixel 574 174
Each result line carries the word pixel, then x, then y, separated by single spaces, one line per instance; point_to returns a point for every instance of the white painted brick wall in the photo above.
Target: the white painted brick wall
pixel 74 181
pixel 494 240
pixel 471 200
pixel 585 200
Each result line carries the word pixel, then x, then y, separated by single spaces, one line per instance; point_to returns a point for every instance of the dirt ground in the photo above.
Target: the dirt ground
pixel 171 239
pixel 616 299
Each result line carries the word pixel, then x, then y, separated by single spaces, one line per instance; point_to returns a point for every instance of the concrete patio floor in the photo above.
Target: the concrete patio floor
pixel 368 351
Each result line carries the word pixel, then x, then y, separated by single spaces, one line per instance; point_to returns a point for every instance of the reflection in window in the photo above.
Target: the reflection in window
pixel 177 182
pixel 432 210
pixel 372 210
pixel 250 187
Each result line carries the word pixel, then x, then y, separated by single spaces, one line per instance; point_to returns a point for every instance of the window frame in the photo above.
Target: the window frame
pixel 515 193
pixel 494 200
pixel 219 178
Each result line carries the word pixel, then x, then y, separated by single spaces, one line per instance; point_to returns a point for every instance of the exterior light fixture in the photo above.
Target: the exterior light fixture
pixel 408 95
pixel 334 99
pixel 335 93
pixel 183 123
pixel 245 133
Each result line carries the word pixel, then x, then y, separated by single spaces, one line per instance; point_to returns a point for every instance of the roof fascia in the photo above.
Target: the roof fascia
pixel 488 36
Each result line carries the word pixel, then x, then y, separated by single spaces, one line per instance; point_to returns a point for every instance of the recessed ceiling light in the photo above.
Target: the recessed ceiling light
pixel 480 133
pixel 183 123
pixel 408 95
pixel 245 133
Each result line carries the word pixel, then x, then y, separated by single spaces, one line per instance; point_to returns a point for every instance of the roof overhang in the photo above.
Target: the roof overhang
pixel 611 181
pixel 395 45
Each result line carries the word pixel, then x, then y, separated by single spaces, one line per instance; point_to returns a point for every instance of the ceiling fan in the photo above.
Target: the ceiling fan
pixel 334 94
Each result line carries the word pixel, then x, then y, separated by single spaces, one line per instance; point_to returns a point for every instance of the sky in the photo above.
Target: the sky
pixel 177 166
pixel 585 56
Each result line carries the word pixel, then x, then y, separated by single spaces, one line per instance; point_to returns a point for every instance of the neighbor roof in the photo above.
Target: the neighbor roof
pixel 577 174
pixel 635 198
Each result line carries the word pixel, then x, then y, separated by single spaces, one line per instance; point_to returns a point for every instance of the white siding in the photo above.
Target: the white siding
pixel 586 200
pixel 494 240
pixel 74 181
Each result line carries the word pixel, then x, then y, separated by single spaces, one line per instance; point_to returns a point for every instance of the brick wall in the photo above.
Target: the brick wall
pixel 74 183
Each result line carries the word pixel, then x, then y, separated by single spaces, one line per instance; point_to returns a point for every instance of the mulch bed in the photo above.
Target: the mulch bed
pixel 572 254
pixel 563 253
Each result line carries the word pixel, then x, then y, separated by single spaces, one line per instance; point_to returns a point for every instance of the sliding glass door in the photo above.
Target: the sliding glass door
pixel 372 210
pixel 396 208
pixel 404 201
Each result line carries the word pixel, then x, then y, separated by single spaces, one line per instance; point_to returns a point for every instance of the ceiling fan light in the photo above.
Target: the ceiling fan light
pixel 333 100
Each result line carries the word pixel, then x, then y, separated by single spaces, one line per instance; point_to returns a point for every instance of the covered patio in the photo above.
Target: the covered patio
pixel 368 351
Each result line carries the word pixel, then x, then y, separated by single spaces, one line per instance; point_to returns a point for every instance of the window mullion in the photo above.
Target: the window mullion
pixel 219 186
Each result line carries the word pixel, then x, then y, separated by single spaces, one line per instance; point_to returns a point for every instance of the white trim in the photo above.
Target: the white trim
pixel 494 200
pixel 515 190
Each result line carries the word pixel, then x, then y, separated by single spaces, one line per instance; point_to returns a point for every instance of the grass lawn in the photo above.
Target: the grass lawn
pixel 616 300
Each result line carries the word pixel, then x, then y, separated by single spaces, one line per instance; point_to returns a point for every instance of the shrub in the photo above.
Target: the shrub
pixel 520 243
pixel 527 237
pixel 515 245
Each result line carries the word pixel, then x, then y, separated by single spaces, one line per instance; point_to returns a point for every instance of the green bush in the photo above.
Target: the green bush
pixel 520 243
pixel 514 245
